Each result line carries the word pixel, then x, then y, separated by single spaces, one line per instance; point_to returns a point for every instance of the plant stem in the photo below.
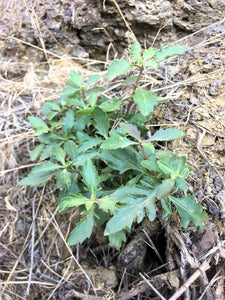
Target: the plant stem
pixel 145 154
pixel 134 89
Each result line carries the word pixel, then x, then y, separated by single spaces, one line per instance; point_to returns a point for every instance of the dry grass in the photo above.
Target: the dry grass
pixel 35 261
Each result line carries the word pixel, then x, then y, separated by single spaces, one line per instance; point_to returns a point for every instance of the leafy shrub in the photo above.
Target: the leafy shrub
pixel 100 156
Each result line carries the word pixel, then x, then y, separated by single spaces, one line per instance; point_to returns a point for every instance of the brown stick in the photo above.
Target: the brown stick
pixel 204 267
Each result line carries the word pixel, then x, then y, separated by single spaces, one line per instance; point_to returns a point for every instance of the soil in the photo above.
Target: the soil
pixel 41 41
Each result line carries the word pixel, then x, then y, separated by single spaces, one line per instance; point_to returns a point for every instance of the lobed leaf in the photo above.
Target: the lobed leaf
pixel 116 142
pixel 189 210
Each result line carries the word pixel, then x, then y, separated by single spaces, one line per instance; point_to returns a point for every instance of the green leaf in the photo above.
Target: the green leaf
pixel 166 135
pixel 90 143
pixel 37 178
pixel 126 215
pixel 83 230
pixel 93 79
pixel 69 90
pixel 145 100
pixel 131 79
pixel 165 188
pixel 76 78
pixel 71 149
pixel 135 51
pixel 169 51
pixel 165 167
pixel 90 176
pixel 92 99
pixel 107 203
pixel 181 184
pixel 110 105
pixel 149 53
pixel 53 105
pixel 118 67
pixel 116 142
pixel 36 152
pixel 59 154
pixel 39 124
pixel 85 112
pixel 64 179
pixel 132 130
pixel 116 239
pixel 83 157
pixel 151 63
pixel 122 160
pixel 68 121
pixel 46 167
pixel 189 210
pixel 73 200
pixel 75 102
pixel 151 164
pixel 101 122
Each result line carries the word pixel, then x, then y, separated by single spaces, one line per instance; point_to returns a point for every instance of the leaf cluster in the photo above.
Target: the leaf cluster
pixel 100 157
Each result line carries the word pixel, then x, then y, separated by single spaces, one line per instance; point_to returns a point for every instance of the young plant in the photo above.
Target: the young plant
pixel 96 149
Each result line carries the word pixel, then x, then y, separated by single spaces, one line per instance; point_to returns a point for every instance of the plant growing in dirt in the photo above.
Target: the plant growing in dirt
pixel 103 155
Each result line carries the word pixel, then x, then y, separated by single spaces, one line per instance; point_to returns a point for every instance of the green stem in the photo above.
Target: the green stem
pixel 134 89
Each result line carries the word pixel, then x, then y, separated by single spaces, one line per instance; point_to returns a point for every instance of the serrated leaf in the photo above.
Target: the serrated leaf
pixel 165 188
pixel 132 130
pixel 116 142
pixel 93 79
pixel 76 78
pixel 116 239
pixel 169 51
pixel 126 215
pixel 83 230
pixel 121 160
pixel 118 67
pixel 71 201
pixel 68 121
pixel 71 149
pixel 189 210
pixel 166 135
pixel 110 105
pixel 107 203
pixel 135 51
pixel 37 123
pixel 85 112
pixel 101 122
pixel 83 157
pixel 90 176
pixel 149 53
pixel 145 100
pixel 36 152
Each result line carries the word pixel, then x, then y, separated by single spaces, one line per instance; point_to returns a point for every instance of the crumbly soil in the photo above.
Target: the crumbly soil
pixel 35 260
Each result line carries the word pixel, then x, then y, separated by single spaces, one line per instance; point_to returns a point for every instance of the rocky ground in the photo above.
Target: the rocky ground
pixel 40 43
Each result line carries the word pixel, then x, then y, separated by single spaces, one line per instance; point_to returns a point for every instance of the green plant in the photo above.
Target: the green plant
pixel 100 156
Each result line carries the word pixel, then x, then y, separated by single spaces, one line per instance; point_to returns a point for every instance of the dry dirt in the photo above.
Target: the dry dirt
pixel 35 261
